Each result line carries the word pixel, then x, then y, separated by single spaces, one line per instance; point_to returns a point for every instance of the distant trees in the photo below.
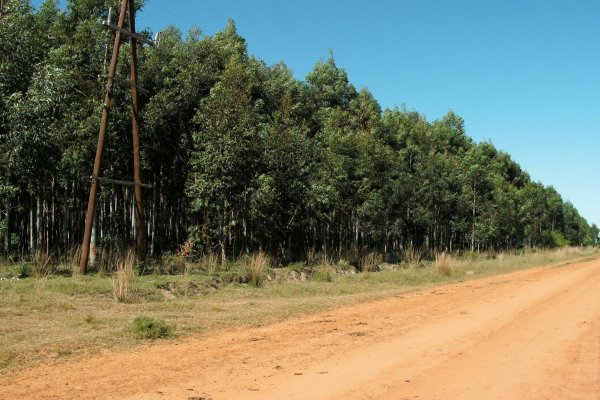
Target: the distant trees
pixel 243 156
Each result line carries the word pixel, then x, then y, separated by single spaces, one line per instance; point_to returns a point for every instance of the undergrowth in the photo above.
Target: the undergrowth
pixel 51 314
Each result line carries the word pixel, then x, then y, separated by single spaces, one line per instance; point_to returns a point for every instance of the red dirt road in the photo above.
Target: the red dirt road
pixel 532 334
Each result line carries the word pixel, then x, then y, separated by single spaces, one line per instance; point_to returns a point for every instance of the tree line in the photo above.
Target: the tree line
pixel 241 155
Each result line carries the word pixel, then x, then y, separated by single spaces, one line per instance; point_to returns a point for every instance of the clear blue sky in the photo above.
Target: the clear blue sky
pixel 524 74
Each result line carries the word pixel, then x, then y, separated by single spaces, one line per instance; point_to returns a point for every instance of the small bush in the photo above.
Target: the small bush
pixel 23 270
pixel 323 275
pixel 172 264
pixel 554 239
pixel 443 263
pixel 151 328
pixel 343 264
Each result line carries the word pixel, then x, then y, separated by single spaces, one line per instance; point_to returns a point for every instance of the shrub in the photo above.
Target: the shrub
pixel 172 264
pixel 23 270
pixel 323 275
pixel 151 328
pixel 554 239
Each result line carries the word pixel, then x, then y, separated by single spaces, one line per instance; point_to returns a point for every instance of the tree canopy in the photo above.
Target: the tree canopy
pixel 243 156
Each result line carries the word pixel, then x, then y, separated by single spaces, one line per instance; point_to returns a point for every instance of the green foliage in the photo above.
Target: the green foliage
pixel 554 239
pixel 244 157
pixel 151 328
pixel 23 270
pixel 323 275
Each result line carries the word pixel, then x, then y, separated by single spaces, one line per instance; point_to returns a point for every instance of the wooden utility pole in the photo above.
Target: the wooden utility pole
pixel 140 237
pixel 110 80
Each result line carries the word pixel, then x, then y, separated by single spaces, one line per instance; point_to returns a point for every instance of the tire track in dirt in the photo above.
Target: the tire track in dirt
pixel 531 334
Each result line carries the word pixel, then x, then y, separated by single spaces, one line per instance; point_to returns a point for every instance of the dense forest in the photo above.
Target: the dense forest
pixel 242 156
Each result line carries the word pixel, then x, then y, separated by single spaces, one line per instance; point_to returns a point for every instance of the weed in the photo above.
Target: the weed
pixel 151 328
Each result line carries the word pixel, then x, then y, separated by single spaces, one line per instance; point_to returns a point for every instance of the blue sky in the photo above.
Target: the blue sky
pixel 523 74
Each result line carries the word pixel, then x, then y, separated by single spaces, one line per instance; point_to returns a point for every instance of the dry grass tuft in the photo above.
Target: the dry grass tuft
pixel 259 263
pixel 312 257
pixel 501 257
pixel 43 264
pixel 413 255
pixel 211 263
pixel 443 263
pixel 123 277
pixel 370 262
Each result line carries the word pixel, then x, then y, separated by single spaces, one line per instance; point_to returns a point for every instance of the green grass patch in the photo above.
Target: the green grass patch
pixel 151 328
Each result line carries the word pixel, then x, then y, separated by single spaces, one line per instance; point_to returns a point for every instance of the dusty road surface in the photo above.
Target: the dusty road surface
pixel 533 334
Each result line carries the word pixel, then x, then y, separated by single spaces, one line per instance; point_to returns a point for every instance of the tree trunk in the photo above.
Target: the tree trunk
pixel 92 257
pixel 153 218
pixel 31 227
pixel 65 224
pixel 7 230
pixel 38 221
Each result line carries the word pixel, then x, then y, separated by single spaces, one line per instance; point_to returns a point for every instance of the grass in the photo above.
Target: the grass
pixel 54 317
pixel 124 277
pixel 151 328
pixel 443 263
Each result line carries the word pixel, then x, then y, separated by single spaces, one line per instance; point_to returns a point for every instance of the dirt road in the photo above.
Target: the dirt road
pixel 533 334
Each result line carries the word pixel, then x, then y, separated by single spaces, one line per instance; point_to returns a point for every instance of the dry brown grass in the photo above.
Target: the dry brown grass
pixel 443 263
pixel 211 263
pixel 413 255
pixel 259 264
pixel 43 264
pixel 501 257
pixel 370 262
pixel 123 277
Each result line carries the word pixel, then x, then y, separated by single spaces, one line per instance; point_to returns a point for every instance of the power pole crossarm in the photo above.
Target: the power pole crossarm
pixel 131 34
